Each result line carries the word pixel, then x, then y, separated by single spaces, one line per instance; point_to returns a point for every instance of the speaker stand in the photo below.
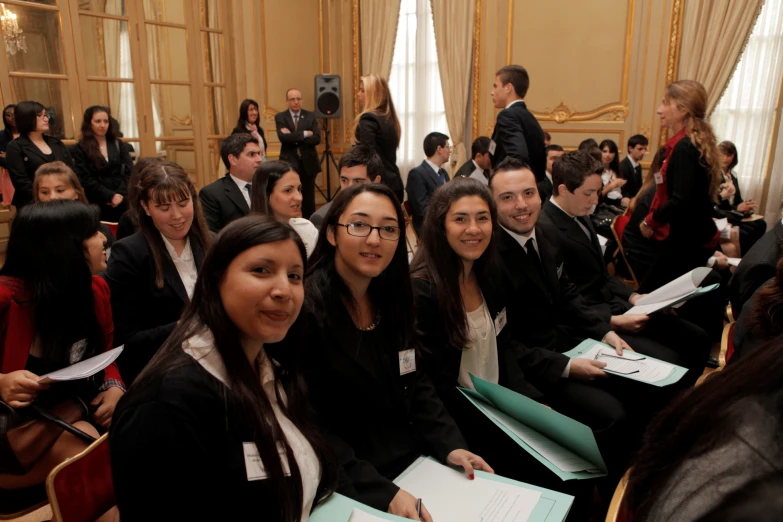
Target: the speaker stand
pixel 329 158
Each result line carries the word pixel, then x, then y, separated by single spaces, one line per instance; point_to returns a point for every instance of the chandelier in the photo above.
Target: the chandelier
pixel 14 39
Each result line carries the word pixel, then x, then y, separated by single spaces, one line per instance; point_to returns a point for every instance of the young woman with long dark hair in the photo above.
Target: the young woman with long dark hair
pixel 217 427
pixel 611 176
pixel 54 312
pixel 249 121
pixel 361 367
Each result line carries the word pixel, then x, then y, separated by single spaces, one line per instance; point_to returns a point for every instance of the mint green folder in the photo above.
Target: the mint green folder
pixel 673 377
pixel 563 430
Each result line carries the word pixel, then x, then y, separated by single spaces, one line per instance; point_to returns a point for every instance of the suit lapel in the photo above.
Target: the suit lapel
pixel 32 150
pixel 571 229
pixel 233 193
pixel 520 265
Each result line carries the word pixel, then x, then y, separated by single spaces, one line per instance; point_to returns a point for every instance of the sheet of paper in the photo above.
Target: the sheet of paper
pixel 357 515
pixel 642 368
pixel 450 496
pixel 602 241
pixel 478 174
pixel 563 458
pixel 674 303
pixel 680 287
pixel 734 261
pixel 721 224
pixel 83 369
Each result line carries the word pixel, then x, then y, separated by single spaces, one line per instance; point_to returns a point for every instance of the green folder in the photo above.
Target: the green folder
pixel 338 509
pixel 563 430
pixel 673 377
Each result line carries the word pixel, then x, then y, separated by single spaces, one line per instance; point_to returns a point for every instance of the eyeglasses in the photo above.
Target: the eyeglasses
pixel 360 229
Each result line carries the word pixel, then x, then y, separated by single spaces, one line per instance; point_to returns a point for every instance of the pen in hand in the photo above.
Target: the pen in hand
pixel 418 509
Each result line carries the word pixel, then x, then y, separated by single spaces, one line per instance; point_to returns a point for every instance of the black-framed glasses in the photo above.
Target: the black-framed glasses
pixel 359 229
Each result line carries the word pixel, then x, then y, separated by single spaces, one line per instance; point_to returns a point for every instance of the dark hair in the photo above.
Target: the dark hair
pixel 390 293
pixel 758 500
pixel 46 251
pixel 25 116
pixel 244 390
pixel 517 76
pixel 359 155
pixel 159 183
pixel 243 120
pixel 506 165
pixel 5 123
pixel 587 144
pixel 726 148
pixel 637 139
pixel 88 143
pixel 234 145
pixel 435 261
pixel 547 136
pixel 265 178
pixel 480 146
pixel 700 421
pixel 549 148
pixel 765 318
pixel 572 168
pixel 596 153
pixel 432 141
pixel 614 165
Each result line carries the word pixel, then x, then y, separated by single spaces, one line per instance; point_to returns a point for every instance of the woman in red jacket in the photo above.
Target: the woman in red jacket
pixel 54 312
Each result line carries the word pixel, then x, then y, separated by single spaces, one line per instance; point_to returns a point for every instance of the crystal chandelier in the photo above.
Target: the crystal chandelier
pixel 14 39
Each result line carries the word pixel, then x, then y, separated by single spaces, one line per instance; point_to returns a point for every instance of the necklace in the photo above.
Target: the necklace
pixel 372 325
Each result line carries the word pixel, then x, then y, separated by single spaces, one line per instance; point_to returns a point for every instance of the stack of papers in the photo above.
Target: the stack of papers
pixel 82 369
pixel 678 291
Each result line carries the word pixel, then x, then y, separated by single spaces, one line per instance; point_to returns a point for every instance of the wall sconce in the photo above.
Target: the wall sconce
pixel 13 36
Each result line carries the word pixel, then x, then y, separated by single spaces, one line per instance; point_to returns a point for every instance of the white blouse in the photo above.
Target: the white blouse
pixel 185 265
pixel 306 231
pixel 480 356
pixel 202 348
pixel 607 177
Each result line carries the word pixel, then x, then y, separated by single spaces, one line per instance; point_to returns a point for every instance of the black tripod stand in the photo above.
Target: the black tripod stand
pixel 329 157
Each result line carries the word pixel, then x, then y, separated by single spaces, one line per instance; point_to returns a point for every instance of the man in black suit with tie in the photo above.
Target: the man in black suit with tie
pixel 427 177
pixel 553 152
pixel 228 198
pixel 758 265
pixel 630 169
pixel 480 166
pixel 577 180
pixel 517 132
pixel 298 132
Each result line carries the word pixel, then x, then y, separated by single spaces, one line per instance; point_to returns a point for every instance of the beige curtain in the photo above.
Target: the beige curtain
pixel 111 45
pixel 454 41
pixel 714 32
pixel 378 29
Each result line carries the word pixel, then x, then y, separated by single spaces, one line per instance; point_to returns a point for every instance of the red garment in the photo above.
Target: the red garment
pixel 661 230
pixel 17 323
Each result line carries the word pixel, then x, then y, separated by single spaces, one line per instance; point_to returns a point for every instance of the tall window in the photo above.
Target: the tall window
pixel 746 112
pixel 415 82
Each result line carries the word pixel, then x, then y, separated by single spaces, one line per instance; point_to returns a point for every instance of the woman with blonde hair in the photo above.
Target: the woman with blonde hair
pixel 687 187
pixel 377 127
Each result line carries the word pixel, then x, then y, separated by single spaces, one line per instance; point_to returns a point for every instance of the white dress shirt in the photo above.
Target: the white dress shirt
pixel 478 174
pixel 185 265
pixel 513 102
pixel 242 184
pixel 306 231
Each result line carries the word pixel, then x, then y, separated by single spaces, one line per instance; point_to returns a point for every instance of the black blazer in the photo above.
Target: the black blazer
pixel 377 420
pixel 518 134
pixel 144 315
pixel 110 178
pixel 465 170
pixel 545 189
pixel 5 138
pixel 380 135
pixel 177 452
pixel 605 295
pixel 549 313
pixel 633 180
pixel 23 158
pixel 222 203
pixel 243 130
pixel 294 143
pixel 421 185
pixel 757 266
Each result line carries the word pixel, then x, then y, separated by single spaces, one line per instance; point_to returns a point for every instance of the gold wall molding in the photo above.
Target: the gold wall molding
pixel 476 69
pixel 357 52
pixel 673 53
pixel 562 113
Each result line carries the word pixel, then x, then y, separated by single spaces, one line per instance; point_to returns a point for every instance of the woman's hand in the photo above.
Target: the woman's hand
pixel 106 401
pixel 747 206
pixel 116 200
pixel 404 505
pixel 468 461
pixel 646 229
pixel 20 388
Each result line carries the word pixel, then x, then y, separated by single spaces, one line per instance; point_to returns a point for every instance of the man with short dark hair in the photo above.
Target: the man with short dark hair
pixel 545 187
pixel 228 198
pixel 517 132
pixel 479 166
pixel 298 132
pixel 359 164
pixel 427 177
pixel 630 169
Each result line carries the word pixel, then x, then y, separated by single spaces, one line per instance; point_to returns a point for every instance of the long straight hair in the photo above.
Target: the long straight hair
pixel 378 100
pixel 245 392
pixel 435 261
pixel 614 166
pixel 160 183
pixel 243 110
pixel 265 178
pixel 390 293
pixel 89 143
pixel 46 251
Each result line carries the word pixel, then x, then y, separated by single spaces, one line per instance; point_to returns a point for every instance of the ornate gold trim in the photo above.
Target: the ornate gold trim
pixel 562 113
pixel 356 52
pixel 673 53
pixel 476 69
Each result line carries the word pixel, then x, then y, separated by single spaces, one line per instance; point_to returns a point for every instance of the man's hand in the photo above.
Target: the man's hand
pixel 629 323
pixel 586 369
pixel 116 200
pixel 307 133
pixel 614 340
pixel 285 131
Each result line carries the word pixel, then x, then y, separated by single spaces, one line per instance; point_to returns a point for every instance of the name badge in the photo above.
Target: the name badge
pixel 407 361
pixel 658 178
pixel 254 466
pixel 492 146
pixel 500 321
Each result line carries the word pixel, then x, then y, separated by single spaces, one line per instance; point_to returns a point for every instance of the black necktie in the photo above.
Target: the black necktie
pixel 638 171
pixel 532 255
pixel 442 176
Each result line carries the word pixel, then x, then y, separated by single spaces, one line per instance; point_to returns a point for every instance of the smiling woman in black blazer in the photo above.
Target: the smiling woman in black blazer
pixel 379 407
pixel 31 150
pixel 152 273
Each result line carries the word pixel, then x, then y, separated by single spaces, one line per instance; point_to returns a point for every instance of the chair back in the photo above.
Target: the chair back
pixel 617 511
pixel 726 344
pixel 112 227
pixel 618 228
pixel 81 488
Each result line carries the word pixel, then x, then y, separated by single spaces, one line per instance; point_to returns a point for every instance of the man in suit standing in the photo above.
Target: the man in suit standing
pixel 480 166
pixel 630 169
pixel 228 198
pixel 298 132
pixel 424 179
pixel 517 132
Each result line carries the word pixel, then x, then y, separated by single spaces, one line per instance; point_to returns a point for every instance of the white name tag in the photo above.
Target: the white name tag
pixel 658 178
pixel 254 466
pixel 492 146
pixel 500 321
pixel 407 361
